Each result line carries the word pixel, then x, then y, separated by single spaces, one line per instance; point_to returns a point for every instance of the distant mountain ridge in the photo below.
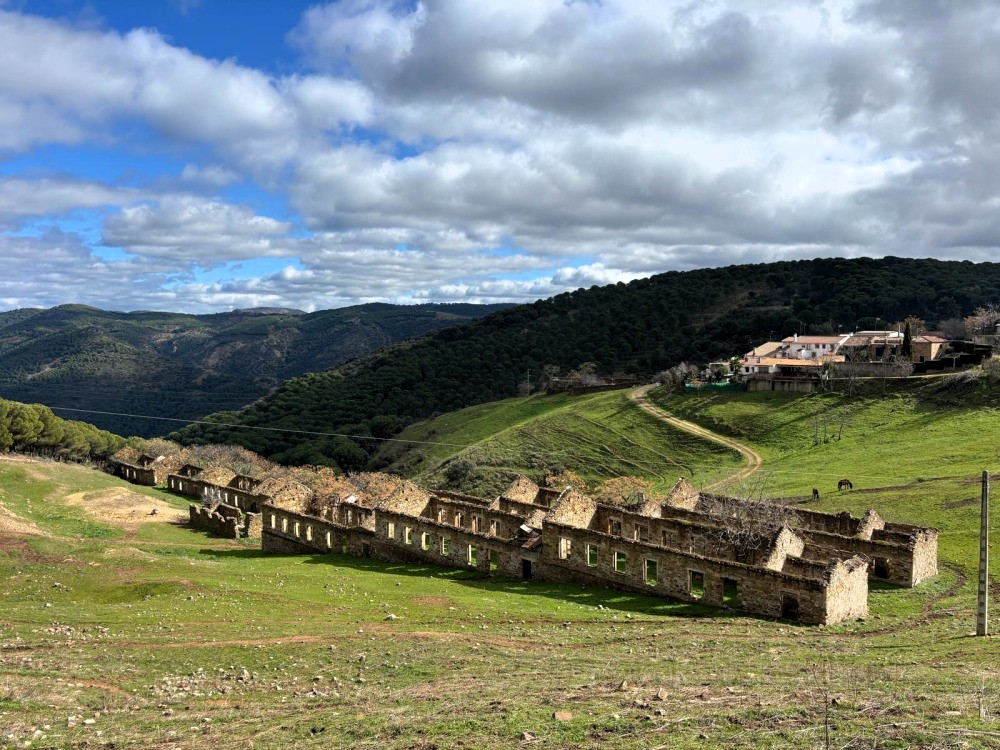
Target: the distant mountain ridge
pixel 185 366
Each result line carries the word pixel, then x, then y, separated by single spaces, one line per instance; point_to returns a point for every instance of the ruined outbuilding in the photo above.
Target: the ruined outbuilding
pixel 689 545
pixel 693 546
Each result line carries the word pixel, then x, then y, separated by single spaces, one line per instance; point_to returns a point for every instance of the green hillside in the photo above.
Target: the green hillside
pixel 160 635
pixel 598 436
pixel 636 328
pixel 186 366
pixel 918 429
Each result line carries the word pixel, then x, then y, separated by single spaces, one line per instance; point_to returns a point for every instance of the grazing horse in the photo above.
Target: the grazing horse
pixel 844 483
pixel 815 494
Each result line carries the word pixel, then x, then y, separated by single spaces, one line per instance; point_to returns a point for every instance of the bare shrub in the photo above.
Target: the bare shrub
pixel 746 519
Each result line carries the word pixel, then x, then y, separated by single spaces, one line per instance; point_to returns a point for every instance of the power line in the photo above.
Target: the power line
pixel 256 427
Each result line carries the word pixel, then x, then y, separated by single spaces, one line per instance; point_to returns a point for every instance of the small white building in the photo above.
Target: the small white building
pixel 812 347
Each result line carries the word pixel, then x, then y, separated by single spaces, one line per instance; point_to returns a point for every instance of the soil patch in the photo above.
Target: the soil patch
pixel 122 507
pixel 14 525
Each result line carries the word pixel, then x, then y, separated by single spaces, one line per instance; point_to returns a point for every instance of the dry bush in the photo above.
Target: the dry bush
pixel 623 491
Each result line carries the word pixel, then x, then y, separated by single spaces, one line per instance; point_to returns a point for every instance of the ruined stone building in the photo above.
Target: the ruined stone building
pixel 689 545
pixel 813 567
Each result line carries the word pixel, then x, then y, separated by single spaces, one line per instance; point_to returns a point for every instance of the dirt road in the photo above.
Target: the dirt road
pixel 753 458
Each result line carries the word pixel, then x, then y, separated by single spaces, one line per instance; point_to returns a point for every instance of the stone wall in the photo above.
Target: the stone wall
pixel 625 564
pixel 637 567
pixel 477 518
pixel 206 519
pixel 135 474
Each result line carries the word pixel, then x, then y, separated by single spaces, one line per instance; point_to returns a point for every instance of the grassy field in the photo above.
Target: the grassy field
pixel 165 637
pixel 162 636
pixel 908 434
pixel 598 436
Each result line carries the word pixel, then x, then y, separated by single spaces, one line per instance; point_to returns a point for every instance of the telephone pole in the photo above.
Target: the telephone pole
pixel 982 607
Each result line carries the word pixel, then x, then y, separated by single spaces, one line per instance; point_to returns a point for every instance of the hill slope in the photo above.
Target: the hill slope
pixel 186 366
pixel 638 328
pixel 598 436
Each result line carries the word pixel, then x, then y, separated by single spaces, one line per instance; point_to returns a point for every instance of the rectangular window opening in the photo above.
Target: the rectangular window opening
pixel 494 561
pixel 650 572
pixel 642 533
pixel 565 548
pixel 592 554
pixel 615 527
pixel 881 567
pixel 407 535
pixel 696 583
pixel 730 593
pixel 789 607
pixel 473 555
pixel 390 530
pixel 621 562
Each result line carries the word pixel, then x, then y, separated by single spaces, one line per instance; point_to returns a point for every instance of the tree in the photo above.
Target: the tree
pixel 953 328
pixel 984 320
pixel 584 375
pixel 746 519
pixel 906 349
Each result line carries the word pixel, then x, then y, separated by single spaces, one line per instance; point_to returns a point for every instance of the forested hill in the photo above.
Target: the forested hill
pixel 187 366
pixel 635 328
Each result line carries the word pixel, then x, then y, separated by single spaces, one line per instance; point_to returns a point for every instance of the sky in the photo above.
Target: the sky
pixel 205 155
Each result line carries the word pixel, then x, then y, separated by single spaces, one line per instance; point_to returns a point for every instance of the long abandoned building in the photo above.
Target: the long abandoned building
pixel 691 546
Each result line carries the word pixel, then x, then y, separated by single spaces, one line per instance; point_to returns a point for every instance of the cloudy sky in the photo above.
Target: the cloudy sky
pixel 202 155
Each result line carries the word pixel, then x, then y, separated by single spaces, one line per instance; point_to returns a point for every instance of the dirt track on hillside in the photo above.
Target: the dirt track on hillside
pixel 753 458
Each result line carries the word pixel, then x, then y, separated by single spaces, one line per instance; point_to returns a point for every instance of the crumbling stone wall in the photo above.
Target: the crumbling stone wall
pixel 683 495
pixel 573 508
pixel 847 590
pixel 490 522
pixel 757 589
pixel 135 474
pixel 207 519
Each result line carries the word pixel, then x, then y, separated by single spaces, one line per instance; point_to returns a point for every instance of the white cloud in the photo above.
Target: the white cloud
pixel 421 142
pixel 25 198
pixel 189 229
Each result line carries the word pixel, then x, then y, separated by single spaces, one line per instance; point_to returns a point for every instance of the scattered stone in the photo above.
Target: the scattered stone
pixel 391 616
pixel 562 716
pixel 527 736
pixel 624 685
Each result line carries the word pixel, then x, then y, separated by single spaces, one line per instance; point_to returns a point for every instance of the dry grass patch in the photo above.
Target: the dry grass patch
pixel 122 507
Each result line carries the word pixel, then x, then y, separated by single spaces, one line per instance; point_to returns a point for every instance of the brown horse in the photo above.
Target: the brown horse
pixel 844 483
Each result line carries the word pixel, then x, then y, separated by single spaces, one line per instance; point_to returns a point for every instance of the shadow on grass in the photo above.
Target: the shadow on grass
pixel 583 595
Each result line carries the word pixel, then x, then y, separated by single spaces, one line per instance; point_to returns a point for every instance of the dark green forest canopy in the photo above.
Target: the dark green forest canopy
pixel 636 328
pixel 34 429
